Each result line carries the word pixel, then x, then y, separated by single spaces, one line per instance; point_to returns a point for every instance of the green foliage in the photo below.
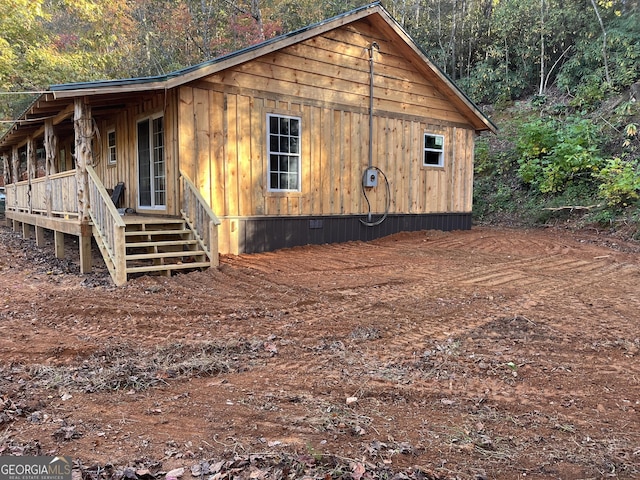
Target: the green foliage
pixel 554 155
pixel 535 142
pixel 483 161
pixel 572 152
pixel 619 182
pixel 583 74
pixel 590 92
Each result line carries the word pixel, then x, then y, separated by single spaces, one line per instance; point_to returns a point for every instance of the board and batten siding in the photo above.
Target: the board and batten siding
pixel 125 168
pixel 325 82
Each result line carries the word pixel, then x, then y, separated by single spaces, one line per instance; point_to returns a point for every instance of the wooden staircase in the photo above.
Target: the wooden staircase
pixel 161 245
pixel 136 244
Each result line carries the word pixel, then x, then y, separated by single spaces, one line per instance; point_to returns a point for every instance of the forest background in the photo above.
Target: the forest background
pixel 560 78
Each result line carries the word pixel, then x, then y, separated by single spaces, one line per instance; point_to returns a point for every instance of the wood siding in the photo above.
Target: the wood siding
pixel 325 82
pixel 125 168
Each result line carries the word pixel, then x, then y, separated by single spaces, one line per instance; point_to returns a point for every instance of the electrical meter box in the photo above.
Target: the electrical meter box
pixel 370 178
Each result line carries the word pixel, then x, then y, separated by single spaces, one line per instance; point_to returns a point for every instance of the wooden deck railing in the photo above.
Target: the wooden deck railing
pixel 109 228
pixel 10 192
pixel 55 196
pixel 200 218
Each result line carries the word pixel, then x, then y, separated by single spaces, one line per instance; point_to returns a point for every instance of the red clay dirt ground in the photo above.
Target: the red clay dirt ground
pixel 491 353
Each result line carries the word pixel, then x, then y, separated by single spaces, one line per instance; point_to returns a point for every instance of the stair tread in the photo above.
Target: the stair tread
pixel 136 233
pixel 152 221
pixel 151 256
pixel 170 266
pixel 162 243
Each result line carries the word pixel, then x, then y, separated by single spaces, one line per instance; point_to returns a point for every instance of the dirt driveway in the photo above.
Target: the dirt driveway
pixel 490 353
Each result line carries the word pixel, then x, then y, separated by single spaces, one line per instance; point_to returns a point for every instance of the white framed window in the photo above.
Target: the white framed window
pixel 433 150
pixel 111 147
pixel 283 144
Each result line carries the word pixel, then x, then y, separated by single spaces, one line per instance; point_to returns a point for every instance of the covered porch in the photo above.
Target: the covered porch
pixel 76 202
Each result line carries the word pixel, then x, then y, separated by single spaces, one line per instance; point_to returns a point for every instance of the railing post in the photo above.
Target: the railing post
pixel 197 212
pixel 108 227
pixel 213 243
pixel 119 250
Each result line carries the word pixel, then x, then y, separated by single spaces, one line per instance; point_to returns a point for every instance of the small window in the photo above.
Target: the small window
pixel 433 150
pixel 283 143
pixel 111 147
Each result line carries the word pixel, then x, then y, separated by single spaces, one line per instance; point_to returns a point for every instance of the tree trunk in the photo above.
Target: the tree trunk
pixel 50 147
pixel 452 39
pixel 256 12
pixel 31 159
pixel 15 162
pixel 83 127
pixel 6 170
pixel 542 51
pixel 605 58
pixel 31 170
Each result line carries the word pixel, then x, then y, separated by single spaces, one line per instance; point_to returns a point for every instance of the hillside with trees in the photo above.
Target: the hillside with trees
pixel 559 78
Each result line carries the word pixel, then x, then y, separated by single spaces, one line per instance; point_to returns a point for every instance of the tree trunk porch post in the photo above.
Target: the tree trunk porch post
pixel 5 169
pixel 83 127
pixel 7 177
pixel 50 152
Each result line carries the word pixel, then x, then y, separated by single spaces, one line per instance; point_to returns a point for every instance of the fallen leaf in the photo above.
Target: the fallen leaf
pixel 175 474
pixel 358 470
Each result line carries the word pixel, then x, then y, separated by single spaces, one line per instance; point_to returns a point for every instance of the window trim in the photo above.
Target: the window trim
pixel 426 149
pixel 112 160
pixel 270 189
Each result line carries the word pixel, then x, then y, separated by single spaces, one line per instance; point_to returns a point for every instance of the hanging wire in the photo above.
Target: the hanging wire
pixel 369 222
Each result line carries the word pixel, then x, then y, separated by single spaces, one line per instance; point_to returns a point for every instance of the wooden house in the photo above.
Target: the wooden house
pixel 341 131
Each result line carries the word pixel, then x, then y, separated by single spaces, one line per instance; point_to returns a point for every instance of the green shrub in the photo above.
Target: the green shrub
pixel 483 162
pixel 534 143
pixel 619 182
pixel 554 155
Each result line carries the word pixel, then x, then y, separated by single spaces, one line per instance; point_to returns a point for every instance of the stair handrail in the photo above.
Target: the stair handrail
pixel 109 225
pixel 200 217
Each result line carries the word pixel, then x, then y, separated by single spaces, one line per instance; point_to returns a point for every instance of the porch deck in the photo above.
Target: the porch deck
pixel 129 244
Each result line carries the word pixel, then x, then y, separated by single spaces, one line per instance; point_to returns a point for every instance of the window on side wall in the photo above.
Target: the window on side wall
pixel 283 143
pixel 111 147
pixel 433 150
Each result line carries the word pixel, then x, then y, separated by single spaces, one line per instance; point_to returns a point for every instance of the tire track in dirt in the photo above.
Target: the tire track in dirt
pixel 346 279
pixel 448 297
pixel 534 278
pixel 420 327
pixel 200 306
pixel 317 258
